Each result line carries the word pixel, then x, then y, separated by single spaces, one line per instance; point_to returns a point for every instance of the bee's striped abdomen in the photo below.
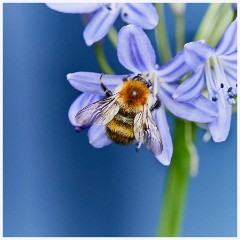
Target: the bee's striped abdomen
pixel 120 128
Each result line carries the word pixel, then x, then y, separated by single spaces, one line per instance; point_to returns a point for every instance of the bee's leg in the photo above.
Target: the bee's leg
pixel 104 88
pixel 156 105
pixel 143 80
pixel 138 76
pixel 138 146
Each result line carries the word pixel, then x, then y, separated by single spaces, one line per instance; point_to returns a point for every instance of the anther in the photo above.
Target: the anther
pixel 222 85
pixel 231 95
pixel 230 89
pixel 125 14
pixel 108 7
pixel 214 99
pixel 236 84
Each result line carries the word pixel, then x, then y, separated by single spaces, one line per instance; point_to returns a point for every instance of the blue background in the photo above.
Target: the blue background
pixel 55 182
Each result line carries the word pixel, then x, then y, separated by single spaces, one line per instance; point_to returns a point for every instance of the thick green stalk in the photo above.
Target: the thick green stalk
pixel 102 59
pixel 180 31
pixel 209 21
pixel 223 20
pixel 177 181
pixel 161 36
pixel 112 35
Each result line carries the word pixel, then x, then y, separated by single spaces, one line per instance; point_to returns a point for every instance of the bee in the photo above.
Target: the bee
pixel 126 114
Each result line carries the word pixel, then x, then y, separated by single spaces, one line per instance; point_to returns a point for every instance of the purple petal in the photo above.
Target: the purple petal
pixel 228 43
pixel 162 124
pixel 90 82
pixel 190 88
pixel 74 7
pixel 134 49
pixel 220 127
pixel 143 15
pixel 175 69
pixel 82 101
pixel 197 53
pixel 200 110
pixel 100 24
pixel 97 136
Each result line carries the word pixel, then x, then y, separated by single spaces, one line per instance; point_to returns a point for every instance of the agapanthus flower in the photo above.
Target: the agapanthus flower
pixel 136 54
pixel 143 15
pixel 216 69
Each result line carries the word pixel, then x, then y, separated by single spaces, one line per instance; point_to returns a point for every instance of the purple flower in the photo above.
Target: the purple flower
pixel 216 69
pixel 143 15
pixel 136 53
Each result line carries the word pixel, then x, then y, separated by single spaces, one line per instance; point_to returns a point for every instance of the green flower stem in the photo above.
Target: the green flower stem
pixel 112 35
pixel 177 180
pixel 102 59
pixel 209 21
pixel 224 19
pixel 180 31
pixel 161 36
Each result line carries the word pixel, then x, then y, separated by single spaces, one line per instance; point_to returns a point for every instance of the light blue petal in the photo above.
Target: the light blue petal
pixel 143 15
pixel 219 128
pixel 82 101
pixel 200 110
pixel 191 88
pixel 197 53
pixel 75 7
pixel 134 49
pixel 228 43
pixel 100 24
pixel 162 124
pixel 175 69
pixel 90 82
pixel 97 136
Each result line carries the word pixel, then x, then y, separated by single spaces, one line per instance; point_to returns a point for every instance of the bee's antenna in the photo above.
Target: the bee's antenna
pixel 104 88
pixel 138 146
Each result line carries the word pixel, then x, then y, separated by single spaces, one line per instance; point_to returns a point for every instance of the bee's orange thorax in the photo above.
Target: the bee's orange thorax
pixel 133 95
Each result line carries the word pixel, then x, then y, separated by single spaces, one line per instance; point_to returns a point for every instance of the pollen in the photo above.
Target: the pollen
pixel 133 95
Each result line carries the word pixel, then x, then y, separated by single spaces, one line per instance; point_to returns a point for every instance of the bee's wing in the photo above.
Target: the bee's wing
pixel 100 112
pixel 146 131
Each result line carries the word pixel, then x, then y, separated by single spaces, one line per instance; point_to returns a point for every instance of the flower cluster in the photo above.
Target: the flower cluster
pixel 212 71
pixel 104 15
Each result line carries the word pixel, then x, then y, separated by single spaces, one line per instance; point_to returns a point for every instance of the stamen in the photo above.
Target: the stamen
pixel 222 85
pixel 230 89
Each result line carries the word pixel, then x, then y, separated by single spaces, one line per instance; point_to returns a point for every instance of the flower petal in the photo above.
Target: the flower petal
pixel 190 88
pixel 200 110
pixel 220 127
pixel 74 7
pixel 196 54
pixel 162 124
pixel 134 49
pixel 143 15
pixel 100 24
pixel 82 101
pixel 97 136
pixel 175 69
pixel 90 82
pixel 228 43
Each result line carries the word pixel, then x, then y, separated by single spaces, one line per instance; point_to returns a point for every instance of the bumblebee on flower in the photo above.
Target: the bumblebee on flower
pixel 156 83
